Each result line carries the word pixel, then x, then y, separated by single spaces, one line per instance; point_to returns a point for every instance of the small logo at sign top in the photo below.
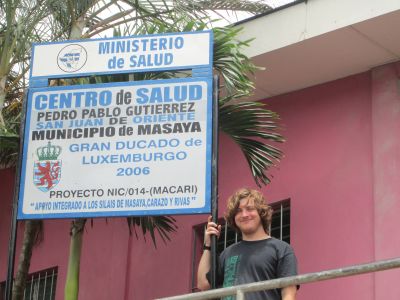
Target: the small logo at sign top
pixel 47 171
pixel 72 58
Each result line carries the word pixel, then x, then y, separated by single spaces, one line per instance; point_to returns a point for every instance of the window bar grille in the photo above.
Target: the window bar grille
pixel 30 293
pixel 35 293
pixel 40 285
pixel 51 286
pixel 281 223
pixel 226 235
pixel 193 259
pixel 37 288
pixel 44 289
pixel 204 233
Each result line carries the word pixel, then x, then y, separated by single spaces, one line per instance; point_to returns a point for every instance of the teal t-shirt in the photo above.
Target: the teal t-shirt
pixel 253 261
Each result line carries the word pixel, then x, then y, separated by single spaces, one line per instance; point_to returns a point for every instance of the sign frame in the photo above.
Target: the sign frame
pixel 38 80
pixel 205 209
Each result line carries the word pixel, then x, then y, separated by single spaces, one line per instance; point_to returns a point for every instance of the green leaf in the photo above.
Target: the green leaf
pixel 164 225
pixel 251 126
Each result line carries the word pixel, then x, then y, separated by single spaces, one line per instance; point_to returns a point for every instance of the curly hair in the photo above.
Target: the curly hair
pixel 264 210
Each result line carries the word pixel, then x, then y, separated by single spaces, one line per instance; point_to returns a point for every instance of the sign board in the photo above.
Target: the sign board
pixel 118 149
pixel 174 51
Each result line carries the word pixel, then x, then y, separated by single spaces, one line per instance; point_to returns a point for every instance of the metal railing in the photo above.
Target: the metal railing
pixel 240 290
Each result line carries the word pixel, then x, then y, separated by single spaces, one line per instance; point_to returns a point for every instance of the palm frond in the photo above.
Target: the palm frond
pixel 9 142
pixel 232 64
pixel 9 132
pixel 254 7
pixel 251 126
pixel 163 225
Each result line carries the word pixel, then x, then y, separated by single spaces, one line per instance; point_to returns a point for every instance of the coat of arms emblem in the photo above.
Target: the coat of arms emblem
pixel 47 170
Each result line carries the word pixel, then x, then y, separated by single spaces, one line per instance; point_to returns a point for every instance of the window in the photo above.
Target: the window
pixel 39 286
pixel 280 229
pixel 280 225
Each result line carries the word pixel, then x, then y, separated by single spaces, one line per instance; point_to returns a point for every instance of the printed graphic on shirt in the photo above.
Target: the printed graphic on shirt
pixel 230 272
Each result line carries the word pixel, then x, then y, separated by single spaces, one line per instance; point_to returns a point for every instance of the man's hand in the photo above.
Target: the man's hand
pixel 212 229
pixel 289 293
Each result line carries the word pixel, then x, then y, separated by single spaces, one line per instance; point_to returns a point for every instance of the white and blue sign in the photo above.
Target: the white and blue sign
pixel 172 51
pixel 132 148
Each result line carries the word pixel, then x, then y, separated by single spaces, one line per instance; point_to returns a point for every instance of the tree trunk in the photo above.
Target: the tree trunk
pixel 72 281
pixel 2 98
pixel 32 228
pixel 77 28
pixel 71 289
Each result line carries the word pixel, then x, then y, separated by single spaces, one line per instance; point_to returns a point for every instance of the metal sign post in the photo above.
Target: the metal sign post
pixel 214 197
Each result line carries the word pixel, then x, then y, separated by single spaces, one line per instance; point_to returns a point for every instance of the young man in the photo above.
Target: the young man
pixel 257 257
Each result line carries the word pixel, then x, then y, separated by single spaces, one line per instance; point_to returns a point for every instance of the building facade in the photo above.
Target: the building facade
pixel 337 186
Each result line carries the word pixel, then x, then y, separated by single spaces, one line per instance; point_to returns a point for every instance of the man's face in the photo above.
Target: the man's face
pixel 247 218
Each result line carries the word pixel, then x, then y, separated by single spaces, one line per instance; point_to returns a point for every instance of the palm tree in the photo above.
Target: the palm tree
pixel 248 123
pixel 19 21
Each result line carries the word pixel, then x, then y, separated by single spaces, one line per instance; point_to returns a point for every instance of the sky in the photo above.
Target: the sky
pixel 272 3
pixel 230 17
